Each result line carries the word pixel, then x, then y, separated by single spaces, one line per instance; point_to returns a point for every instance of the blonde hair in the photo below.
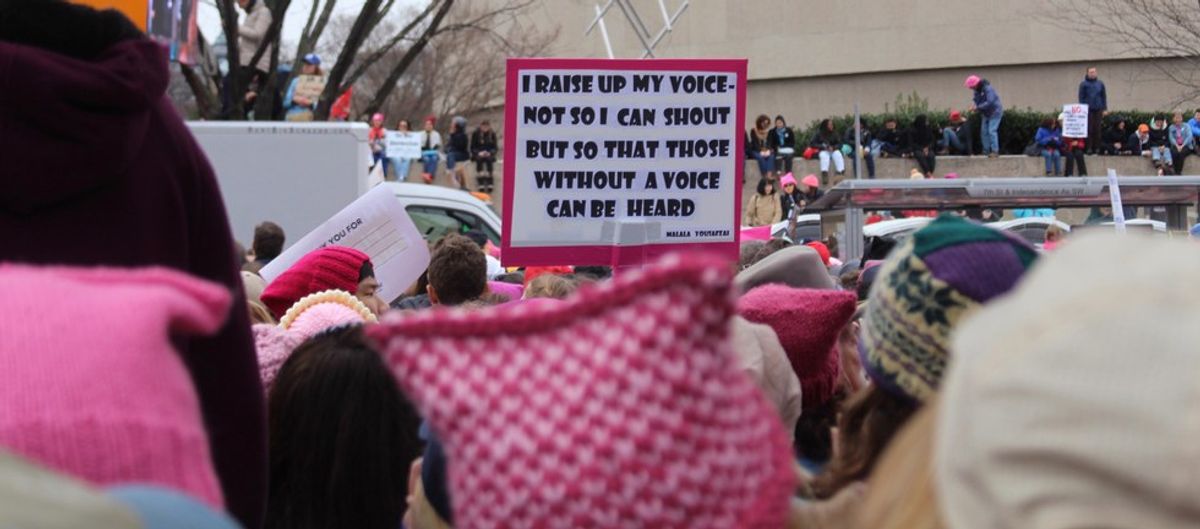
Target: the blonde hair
pixel 259 313
pixel 420 513
pixel 550 286
pixel 1054 233
pixel 902 493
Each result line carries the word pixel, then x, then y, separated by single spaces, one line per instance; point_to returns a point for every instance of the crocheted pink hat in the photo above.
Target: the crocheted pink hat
pixel 312 314
pixel 808 323
pixel 90 384
pixel 620 407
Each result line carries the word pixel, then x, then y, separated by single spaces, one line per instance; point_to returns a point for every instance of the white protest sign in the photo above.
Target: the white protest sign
pixel 1075 121
pixel 403 144
pixel 602 154
pixel 377 225
pixel 309 86
pixel 1114 194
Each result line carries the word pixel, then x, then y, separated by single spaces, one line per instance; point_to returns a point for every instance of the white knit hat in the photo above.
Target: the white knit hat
pixel 1075 402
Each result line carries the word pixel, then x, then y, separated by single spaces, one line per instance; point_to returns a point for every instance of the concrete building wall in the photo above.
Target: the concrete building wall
pixel 810 59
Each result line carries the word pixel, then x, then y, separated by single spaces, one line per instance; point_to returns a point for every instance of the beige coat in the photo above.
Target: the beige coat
pixel 763 210
pixel 251 34
pixel 762 357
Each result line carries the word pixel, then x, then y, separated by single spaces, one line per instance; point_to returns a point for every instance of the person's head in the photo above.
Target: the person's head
pixel 1159 122
pixel 956 117
pixel 780 262
pixel 1120 124
pixel 244 3
pixel 341 436
pixel 921 121
pixel 329 268
pixel 311 64
pixel 826 125
pixel 1177 118
pixel 765 187
pixel 377 120
pixel 780 122
pixel 1049 123
pixel 869 419
pixel 972 82
pixel 762 122
pixel 268 241
pixel 811 183
pixel 890 124
pixel 368 289
pixel 429 122
pixel 551 286
pixel 457 271
pixel 1092 73
pixel 1054 233
pixel 904 494
pixel 1196 116
pixel 485 125
pixel 403 126
pixel 1143 129
pixel 788 183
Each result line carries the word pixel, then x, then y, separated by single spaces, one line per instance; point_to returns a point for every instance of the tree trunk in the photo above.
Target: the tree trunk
pixel 389 84
pixel 233 86
pixel 354 41
pixel 206 102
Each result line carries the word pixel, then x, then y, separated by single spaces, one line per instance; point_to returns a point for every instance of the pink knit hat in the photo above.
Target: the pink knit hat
pixel 89 382
pixel 811 181
pixel 971 82
pixel 308 317
pixel 331 267
pixel 622 406
pixel 808 323
pixel 787 179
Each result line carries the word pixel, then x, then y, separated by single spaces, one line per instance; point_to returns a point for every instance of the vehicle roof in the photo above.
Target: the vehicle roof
pixel 1007 193
pixel 889 227
pixel 431 191
pixel 1014 223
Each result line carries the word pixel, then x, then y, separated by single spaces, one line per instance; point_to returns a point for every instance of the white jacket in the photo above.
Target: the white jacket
pixel 251 34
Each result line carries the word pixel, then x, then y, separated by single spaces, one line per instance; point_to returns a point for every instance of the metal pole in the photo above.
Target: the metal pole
pixel 667 29
pixel 662 7
pixel 600 12
pixel 637 19
pixel 604 32
pixel 645 45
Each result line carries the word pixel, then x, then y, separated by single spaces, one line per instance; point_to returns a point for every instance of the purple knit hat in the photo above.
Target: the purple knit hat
pixel 927 285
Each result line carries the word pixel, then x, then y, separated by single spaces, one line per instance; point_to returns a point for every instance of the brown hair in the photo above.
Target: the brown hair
pixel 550 286
pixel 904 495
pixel 259 313
pixel 869 421
pixel 457 270
pixel 1054 233
pixel 268 241
pixel 760 120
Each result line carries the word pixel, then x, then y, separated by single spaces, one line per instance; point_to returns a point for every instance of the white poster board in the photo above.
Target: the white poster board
pixel 406 145
pixel 1075 121
pixel 309 86
pixel 377 225
pixel 621 160
pixel 1114 195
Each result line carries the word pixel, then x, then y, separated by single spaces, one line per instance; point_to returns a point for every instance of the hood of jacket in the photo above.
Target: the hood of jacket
pixel 74 114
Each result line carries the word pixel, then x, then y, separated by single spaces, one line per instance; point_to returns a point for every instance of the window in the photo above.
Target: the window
pixel 434 222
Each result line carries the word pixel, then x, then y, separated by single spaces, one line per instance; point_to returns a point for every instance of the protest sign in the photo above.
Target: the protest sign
pixel 1075 121
pixel 403 144
pixel 615 162
pixel 377 225
pixel 309 86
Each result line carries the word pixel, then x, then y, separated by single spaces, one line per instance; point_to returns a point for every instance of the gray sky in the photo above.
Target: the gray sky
pixel 293 25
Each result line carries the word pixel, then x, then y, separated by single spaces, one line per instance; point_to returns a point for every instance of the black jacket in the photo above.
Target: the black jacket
pixel 483 142
pixel 920 136
pixel 824 139
pixel 757 144
pixel 789 139
pixel 893 136
pixel 457 143
pixel 1115 135
pixel 848 138
pixel 1158 137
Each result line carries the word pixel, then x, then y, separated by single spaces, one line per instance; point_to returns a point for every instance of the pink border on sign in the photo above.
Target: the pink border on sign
pixel 606 254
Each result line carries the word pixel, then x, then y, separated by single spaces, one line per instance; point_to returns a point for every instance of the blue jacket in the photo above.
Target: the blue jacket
pixel 987 102
pixel 1195 125
pixel 1047 138
pixel 1182 134
pixel 1092 94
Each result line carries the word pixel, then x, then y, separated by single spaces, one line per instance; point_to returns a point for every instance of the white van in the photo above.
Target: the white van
pixel 438 210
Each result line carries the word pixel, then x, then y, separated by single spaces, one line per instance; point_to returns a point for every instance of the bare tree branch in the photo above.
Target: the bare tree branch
pixel 389 84
pixel 378 54
pixel 354 41
pixel 230 28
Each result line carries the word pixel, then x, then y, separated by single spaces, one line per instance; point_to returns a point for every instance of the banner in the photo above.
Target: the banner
pixel 309 86
pixel 403 144
pixel 377 225
pixel 1075 121
pixel 1114 195
pixel 614 162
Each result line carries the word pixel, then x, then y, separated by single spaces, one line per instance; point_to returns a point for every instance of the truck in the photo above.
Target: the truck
pixel 300 174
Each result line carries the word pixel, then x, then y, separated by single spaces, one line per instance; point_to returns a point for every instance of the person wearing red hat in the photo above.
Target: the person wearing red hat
pixel 328 268
pixel 956 136
pixel 822 250
pixel 377 138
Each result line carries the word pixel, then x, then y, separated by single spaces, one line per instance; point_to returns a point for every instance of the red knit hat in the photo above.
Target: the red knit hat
pixel 822 250
pixel 328 268
pixel 808 323
pixel 620 407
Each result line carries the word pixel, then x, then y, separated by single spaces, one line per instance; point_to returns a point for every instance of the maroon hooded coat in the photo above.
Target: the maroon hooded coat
pixel 96 168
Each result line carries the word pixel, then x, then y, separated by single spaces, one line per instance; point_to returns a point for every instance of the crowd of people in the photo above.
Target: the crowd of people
pixel 956 379
pixel 456 151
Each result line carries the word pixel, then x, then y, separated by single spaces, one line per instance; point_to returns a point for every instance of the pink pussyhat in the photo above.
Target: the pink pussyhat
pixel 622 406
pixel 307 318
pixel 971 82
pixel 90 384
pixel 811 181
pixel 951 176
pixel 787 179
pixel 378 116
